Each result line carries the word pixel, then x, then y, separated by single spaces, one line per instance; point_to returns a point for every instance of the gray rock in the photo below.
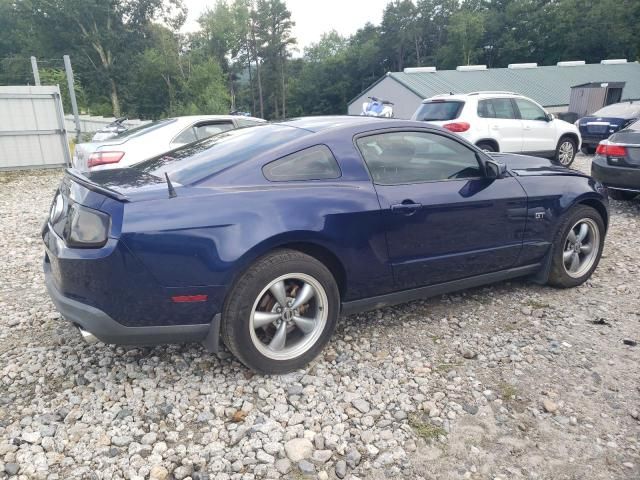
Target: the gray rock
pixel 298 449
pixel 121 440
pixel 341 469
pixel 353 458
pixel 306 467
pixel 182 471
pixel 321 456
pixel 283 465
pixel 361 405
pixel 11 468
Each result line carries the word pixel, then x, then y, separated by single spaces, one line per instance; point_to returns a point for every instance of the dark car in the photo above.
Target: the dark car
pixel 265 235
pixel 617 163
pixel 605 122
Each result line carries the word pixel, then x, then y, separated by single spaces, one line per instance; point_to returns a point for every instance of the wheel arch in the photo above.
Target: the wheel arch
pixel 573 136
pixel 313 247
pixel 492 141
pixel 598 206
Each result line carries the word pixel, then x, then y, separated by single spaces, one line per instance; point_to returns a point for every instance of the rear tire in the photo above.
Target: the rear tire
pixel 577 247
pixel 281 312
pixel 588 150
pixel 565 151
pixel 622 195
pixel 486 147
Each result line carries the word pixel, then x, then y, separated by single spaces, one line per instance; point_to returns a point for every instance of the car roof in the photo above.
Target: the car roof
pixel 320 123
pixel 479 94
pixel 198 118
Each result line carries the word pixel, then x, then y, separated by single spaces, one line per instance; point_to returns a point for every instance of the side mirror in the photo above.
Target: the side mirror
pixel 550 117
pixel 495 169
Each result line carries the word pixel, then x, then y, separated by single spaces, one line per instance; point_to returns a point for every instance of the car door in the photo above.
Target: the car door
pixel 503 123
pixel 444 220
pixel 538 134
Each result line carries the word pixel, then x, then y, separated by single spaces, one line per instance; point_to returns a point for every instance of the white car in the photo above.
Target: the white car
pixel 153 139
pixel 503 122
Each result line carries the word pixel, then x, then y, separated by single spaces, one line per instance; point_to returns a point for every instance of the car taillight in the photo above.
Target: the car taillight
pixel 86 227
pixel 457 127
pixel 609 150
pixel 103 158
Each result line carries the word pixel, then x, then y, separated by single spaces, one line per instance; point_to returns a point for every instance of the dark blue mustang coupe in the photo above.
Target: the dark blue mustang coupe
pixel 264 235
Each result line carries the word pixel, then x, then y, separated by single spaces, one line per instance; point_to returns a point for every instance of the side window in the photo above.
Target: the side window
pixel 415 157
pixel 313 163
pixel 503 108
pixel 485 109
pixel 208 130
pixel 530 111
pixel 243 122
pixel 188 136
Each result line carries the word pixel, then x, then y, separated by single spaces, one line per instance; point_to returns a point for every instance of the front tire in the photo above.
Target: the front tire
pixel 577 247
pixel 486 147
pixel 281 313
pixel 565 151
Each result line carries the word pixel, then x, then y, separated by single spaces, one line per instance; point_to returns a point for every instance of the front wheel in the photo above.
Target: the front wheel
pixel 486 147
pixel 565 151
pixel 577 247
pixel 281 313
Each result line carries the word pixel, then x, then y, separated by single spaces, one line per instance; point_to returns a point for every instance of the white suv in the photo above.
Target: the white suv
pixel 503 122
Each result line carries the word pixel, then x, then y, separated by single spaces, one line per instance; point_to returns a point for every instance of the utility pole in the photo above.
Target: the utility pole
pixel 36 74
pixel 72 94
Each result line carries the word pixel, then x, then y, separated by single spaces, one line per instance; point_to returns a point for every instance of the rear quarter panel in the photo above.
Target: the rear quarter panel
pixel 211 237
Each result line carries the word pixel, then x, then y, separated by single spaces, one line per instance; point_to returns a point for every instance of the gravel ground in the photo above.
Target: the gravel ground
pixel 510 381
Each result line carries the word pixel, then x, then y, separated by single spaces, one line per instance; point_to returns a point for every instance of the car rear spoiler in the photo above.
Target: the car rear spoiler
pixel 78 177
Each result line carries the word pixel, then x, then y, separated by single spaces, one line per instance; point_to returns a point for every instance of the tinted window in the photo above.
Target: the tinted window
pixel 205 131
pixel 203 158
pixel 496 108
pixel 530 111
pixel 187 136
pixel 315 163
pixel 146 128
pixel 414 157
pixel 244 122
pixel 622 110
pixel 438 110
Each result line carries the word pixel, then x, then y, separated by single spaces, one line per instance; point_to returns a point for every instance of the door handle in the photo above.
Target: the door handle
pixel 527 127
pixel 495 127
pixel 408 208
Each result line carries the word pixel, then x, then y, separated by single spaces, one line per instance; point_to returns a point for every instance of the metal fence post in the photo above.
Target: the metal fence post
pixel 36 74
pixel 72 94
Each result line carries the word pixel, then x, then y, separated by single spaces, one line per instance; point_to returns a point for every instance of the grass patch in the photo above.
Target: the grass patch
pixel 425 430
pixel 446 367
pixel 536 304
pixel 507 391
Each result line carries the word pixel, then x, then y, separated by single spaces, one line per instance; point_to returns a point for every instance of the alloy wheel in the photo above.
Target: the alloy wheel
pixel 565 152
pixel 288 316
pixel 581 248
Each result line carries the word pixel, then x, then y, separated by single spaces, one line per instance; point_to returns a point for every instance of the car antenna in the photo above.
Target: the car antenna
pixel 172 191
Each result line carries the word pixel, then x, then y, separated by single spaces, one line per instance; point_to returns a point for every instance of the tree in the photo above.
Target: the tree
pixel 102 30
pixel 465 33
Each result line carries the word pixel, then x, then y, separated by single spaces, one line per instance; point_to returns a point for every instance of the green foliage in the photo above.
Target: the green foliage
pixel 130 58
pixel 55 76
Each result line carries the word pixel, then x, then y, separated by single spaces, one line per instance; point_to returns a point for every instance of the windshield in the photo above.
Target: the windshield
pixel 207 157
pixel 438 110
pixel 622 110
pixel 146 128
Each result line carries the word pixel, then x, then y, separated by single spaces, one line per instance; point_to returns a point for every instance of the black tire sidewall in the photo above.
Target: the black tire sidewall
pixel 235 320
pixel 575 147
pixel 558 276
pixel 486 147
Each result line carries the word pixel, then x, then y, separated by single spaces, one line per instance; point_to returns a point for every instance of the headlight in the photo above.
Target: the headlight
pixel 86 228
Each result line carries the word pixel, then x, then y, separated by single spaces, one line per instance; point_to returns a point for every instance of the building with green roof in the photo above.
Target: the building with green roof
pixel 550 86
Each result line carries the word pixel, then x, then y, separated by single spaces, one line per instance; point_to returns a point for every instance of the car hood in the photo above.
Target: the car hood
pixel 525 165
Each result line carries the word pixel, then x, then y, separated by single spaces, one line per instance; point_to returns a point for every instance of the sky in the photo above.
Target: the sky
pixel 312 17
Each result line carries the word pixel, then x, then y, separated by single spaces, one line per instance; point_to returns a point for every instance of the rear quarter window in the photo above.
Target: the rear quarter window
pixel 314 163
pixel 438 110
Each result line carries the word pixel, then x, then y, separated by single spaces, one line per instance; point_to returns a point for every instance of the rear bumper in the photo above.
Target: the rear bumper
pixel 107 330
pixel 615 177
